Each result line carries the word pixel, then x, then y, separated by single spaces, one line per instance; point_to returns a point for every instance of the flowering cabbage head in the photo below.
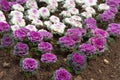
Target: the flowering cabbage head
pixel 48 58
pixel 7 41
pixel 107 15
pixel 45 47
pixel 21 49
pixel 114 29
pixel 12 2
pixel 99 43
pixel 21 1
pixel 113 3
pixel 20 34
pixel 29 65
pixel 77 61
pixel 62 74
pixel 113 10
pixel 4 5
pixel 100 33
pixel 4 27
pixel 88 49
pixel 90 21
pixel 75 33
pixel 46 35
pixel 90 24
pixel 90 27
pixel 67 42
pixel 34 36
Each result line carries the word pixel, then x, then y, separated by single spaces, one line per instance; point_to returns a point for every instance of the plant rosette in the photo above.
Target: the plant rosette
pixel 61 74
pixel 77 62
pixel 29 66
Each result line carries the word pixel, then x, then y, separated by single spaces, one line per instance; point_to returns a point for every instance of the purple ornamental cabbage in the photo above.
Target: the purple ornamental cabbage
pixel 88 49
pixel 90 21
pixel 90 24
pixel 21 1
pixel 25 30
pixel 34 36
pixel 48 58
pixel 62 74
pixel 67 42
pixel 110 13
pixel 21 49
pixel 107 15
pixel 21 33
pixel 113 3
pixel 45 47
pixel 29 64
pixel 12 2
pixel 100 33
pixel 77 61
pixel 7 41
pixel 90 27
pixel 46 35
pixel 4 27
pixel 4 5
pixel 113 10
pixel 75 33
pixel 114 29
pixel 99 43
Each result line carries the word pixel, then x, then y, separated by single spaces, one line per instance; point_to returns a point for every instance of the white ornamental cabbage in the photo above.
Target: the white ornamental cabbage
pixel 44 12
pixel 32 14
pixel 73 22
pixel 74 11
pixel 103 7
pixel 54 19
pixel 69 21
pixel 18 21
pixel 58 28
pixel 65 14
pixel 77 18
pixel 69 4
pixel 31 17
pixel 15 27
pixel 37 22
pixel 90 2
pixel 33 11
pixel 47 24
pixel 90 10
pixel 77 24
pixel 60 0
pixel 31 4
pixel 80 2
pixel 2 16
pixel 31 28
pixel 16 14
pixel 86 14
pixel 53 2
pixel 52 8
pixel 18 7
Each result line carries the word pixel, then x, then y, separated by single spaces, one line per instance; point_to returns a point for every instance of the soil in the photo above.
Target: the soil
pixel 104 67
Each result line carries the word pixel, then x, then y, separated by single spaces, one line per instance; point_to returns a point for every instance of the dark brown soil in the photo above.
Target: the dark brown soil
pixel 99 70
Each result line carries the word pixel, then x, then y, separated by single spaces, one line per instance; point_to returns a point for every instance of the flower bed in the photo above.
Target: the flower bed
pixel 32 32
